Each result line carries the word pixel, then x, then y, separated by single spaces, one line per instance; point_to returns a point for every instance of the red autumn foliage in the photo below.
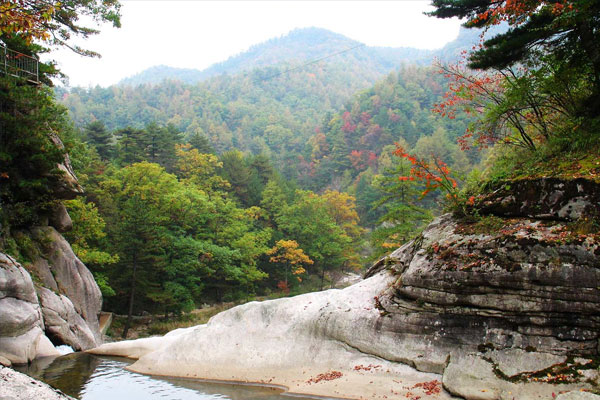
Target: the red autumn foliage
pixel 365 118
pixel 361 159
pixel 430 388
pixel 369 367
pixel 469 91
pixel 392 116
pixel 434 175
pixel 283 286
pixel 517 12
pixel 348 126
pixel 327 376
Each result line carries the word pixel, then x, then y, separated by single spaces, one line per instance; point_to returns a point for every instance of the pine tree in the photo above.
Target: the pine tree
pixel 97 135
pixel 132 145
pixel 402 217
pixel 201 143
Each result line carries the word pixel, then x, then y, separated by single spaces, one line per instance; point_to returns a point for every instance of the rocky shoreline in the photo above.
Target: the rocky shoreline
pixel 17 386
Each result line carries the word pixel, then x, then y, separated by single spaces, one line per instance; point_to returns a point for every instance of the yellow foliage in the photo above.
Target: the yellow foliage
pixel 287 251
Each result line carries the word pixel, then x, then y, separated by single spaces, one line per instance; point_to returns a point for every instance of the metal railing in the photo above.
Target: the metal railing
pixel 18 64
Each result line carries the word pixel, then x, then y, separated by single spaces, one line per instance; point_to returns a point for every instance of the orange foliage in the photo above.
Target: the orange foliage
pixel 27 17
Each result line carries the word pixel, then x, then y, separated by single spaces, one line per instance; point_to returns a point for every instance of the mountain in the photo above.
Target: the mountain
pixel 296 48
pixel 270 99
pixel 305 45
pixel 160 73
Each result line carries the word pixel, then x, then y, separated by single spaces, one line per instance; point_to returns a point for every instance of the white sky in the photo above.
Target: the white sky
pixel 196 34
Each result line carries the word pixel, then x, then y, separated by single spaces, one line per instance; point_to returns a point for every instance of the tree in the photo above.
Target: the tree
pixel 561 32
pixel 307 220
pixel 402 216
pixel 201 143
pixel 236 171
pixel 85 236
pixel 133 145
pixel 291 256
pixel 97 134
pixel 162 141
pixel 199 168
pixel 57 22
pixel 134 198
pixel 29 175
pixel 273 199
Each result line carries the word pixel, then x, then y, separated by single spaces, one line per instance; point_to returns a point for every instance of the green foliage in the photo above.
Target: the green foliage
pixel 28 155
pixel 105 288
pixel 565 30
pixel 102 140
pixel 58 22
pixel 176 241
pixel 555 159
pixel 26 250
pixel 308 220
pixel 200 142
pixel 86 235
pixel 402 217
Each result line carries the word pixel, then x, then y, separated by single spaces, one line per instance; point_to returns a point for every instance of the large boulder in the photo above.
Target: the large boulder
pixel 287 342
pixel 542 198
pixel 62 322
pixel 496 283
pixel 22 337
pixel 62 306
pixel 72 280
pixel 60 219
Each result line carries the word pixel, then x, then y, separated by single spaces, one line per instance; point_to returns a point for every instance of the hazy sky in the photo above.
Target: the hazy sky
pixel 196 34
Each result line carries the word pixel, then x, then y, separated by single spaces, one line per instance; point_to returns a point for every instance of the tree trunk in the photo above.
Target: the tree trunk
pixel 322 278
pixel 131 298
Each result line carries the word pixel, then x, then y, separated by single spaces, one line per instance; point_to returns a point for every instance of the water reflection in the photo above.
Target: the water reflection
pixel 90 377
pixel 69 373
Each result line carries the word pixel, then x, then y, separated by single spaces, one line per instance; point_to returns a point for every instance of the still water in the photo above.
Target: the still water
pixel 89 377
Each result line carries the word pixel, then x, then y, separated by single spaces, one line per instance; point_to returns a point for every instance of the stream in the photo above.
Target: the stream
pixel 89 377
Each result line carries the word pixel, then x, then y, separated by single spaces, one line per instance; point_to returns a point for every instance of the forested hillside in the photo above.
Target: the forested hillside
pixel 294 49
pixel 259 181
pixel 306 45
pixel 314 126
pixel 270 109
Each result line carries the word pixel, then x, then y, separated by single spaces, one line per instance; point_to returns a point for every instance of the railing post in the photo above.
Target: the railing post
pixel 20 65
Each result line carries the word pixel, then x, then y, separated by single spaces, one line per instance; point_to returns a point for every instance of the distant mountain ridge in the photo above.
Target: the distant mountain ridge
pixel 307 44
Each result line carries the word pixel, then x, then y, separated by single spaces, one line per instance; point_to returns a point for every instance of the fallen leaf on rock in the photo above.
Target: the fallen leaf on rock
pixel 327 376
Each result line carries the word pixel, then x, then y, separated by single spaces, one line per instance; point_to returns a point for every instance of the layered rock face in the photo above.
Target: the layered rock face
pixel 503 307
pixel 523 284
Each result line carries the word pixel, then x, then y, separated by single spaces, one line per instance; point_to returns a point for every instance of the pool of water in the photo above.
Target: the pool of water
pixel 89 377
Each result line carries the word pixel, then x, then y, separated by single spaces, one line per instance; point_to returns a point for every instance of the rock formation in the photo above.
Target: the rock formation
pixel 505 306
pixel 21 324
pixel 53 299
pixel 18 386
pixel 61 307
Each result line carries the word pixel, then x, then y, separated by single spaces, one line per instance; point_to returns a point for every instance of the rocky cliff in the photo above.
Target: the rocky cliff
pixel 53 299
pixel 504 306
